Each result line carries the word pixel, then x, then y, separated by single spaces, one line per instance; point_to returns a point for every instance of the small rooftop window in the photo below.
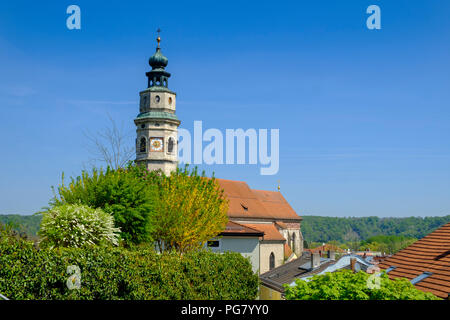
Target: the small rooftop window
pixel 244 207
pixel 424 275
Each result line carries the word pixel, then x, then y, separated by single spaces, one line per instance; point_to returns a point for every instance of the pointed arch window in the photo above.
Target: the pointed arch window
pixel 271 261
pixel 293 242
pixel 143 145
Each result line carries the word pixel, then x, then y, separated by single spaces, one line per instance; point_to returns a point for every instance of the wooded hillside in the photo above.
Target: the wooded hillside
pixel 314 228
pixel 325 229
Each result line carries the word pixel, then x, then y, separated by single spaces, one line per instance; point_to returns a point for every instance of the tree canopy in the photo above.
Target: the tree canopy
pixel 191 210
pixel 129 194
pixel 346 285
pixel 347 229
pixel 181 211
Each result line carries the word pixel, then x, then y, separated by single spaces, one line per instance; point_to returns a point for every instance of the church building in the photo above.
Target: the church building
pixel 265 216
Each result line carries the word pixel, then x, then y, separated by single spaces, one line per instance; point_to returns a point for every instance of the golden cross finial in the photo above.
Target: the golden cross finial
pixel 279 185
pixel 159 38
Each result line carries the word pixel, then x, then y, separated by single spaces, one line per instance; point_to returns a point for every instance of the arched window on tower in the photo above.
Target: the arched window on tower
pixel 170 145
pixel 271 261
pixel 143 145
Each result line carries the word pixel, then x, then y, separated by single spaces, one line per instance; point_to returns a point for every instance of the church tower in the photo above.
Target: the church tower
pixel 156 123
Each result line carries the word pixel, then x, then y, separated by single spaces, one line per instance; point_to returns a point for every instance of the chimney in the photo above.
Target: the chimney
pixel 373 269
pixel 352 264
pixel 315 260
pixel 331 255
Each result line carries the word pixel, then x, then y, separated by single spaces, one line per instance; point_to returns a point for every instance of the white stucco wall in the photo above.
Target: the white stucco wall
pixel 247 246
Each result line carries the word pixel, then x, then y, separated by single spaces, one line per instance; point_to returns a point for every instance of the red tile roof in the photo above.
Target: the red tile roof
pixel 281 224
pixel 247 203
pixel 326 247
pixel 276 204
pixel 287 251
pixel 269 229
pixel 233 228
pixel 432 254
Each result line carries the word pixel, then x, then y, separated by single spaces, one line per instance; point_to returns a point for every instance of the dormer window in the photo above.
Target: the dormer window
pixel 244 207
pixel 419 278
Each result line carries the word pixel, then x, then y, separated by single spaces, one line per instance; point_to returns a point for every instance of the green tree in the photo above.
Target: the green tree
pixel 129 194
pixel 28 224
pixel 191 210
pixel 346 285
pixel 77 226
pixel 389 244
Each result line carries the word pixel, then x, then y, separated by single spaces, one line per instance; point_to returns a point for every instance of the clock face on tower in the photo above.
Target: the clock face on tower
pixel 156 144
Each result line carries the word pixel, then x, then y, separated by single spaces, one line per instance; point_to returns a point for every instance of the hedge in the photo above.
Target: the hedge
pixel 27 272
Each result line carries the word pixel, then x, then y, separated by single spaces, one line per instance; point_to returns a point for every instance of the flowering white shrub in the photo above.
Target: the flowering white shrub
pixel 77 226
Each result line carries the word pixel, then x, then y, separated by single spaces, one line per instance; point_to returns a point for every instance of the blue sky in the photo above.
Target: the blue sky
pixel 364 115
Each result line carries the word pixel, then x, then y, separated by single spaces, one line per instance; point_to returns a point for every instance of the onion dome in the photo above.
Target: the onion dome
pixel 158 77
pixel 158 60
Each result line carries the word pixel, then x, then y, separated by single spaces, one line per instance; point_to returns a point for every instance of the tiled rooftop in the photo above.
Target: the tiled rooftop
pixel 301 268
pixel 255 204
pixel 233 228
pixel 429 254
pixel 269 229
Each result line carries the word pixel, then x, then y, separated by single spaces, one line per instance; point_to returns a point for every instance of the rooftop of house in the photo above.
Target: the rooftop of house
pixel 426 263
pixel 301 268
pixel 326 247
pixel 285 273
pixel 369 253
pixel 271 233
pixel 256 204
pixel 287 251
pixel 236 229
pixel 343 262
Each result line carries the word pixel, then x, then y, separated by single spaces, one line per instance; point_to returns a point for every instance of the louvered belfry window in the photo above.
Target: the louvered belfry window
pixel 143 145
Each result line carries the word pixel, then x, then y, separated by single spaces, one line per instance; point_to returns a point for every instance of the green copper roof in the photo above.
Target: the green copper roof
pixel 157 115
pixel 158 89
pixel 158 60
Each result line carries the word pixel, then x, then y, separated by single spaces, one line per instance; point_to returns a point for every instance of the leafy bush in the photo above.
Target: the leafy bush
pixel 346 285
pixel 77 226
pixel 128 194
pixel 27 272
pixel 181 211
